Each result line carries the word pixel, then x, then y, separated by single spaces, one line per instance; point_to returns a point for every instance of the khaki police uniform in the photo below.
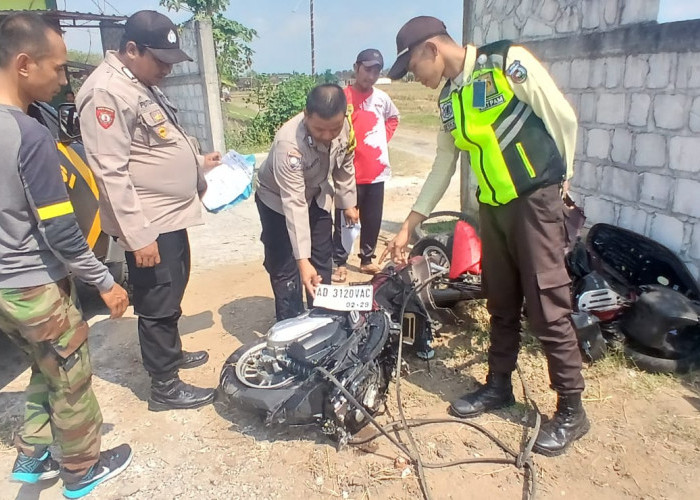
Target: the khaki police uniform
pixel 521 140
pixel 149 175
pixel 296 188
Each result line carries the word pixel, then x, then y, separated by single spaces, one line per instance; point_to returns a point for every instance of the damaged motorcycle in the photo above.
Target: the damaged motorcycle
pixel 320 367
pixel 629 292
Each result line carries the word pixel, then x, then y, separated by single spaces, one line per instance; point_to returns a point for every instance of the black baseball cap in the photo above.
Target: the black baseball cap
pixel 158 34
pixel 370 57
pixel 412 34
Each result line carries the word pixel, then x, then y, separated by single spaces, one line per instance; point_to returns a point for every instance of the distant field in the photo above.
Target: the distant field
pixel 417 105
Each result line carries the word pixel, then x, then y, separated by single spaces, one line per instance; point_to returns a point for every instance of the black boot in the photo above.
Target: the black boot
pixel 497 393
pixel 193 359
pixel 568 425
pixel 174 394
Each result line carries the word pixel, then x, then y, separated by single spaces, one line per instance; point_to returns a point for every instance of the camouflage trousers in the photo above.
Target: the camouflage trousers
pixel 46 323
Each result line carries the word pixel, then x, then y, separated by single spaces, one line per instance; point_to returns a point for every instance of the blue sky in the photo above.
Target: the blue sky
pixel 342 28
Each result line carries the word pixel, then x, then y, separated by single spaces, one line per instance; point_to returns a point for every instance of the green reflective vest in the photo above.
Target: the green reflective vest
pixel 510 150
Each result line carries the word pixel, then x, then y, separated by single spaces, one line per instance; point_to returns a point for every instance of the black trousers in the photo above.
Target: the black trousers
pixel 523 258
pixel 370 203
pixel 157 295
pixel 281 264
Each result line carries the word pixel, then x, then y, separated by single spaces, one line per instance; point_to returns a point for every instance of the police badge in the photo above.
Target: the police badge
pixel 516 72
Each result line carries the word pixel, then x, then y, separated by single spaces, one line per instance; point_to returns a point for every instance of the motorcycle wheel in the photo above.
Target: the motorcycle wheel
pixel 435 249
pixel 233 379
pixel 652 364
pixel 420 233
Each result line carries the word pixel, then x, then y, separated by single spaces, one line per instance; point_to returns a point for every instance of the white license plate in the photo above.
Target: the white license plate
pixel 344 298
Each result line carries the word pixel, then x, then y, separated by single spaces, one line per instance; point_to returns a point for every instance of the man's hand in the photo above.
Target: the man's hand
pixel 352 216
pixel 309 277
pixel 147 256
pixel 117 300
pixel 565 188
pixel 396 248
pixel 211 160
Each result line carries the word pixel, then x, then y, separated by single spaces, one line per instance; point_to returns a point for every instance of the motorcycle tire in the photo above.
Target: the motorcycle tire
pixel 653 364
pixel 438 246
pixel 232 388
pixel 419 233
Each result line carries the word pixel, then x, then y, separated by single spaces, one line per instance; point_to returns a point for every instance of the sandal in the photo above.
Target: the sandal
pixel 370 268
pixel 340 275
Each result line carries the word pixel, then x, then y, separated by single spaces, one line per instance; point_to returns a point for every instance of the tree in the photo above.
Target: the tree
pixel 231 38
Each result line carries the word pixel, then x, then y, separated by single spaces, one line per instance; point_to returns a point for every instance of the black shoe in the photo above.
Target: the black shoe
pixel 31 470
pixel 174 394
pixel 193 359
pixel 497 393
pixel 111 463
pixel 569 424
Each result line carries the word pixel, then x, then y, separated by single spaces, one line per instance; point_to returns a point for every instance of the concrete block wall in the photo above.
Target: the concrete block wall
pixel 492 20
pixel 193 87
pixel 636 87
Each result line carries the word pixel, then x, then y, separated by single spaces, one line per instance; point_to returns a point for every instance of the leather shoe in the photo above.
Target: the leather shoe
pixel 174 394
pixel 569 424
pixel 193 359
pixel 497 393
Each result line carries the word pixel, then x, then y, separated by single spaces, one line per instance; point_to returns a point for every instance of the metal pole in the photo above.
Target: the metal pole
pixel 313 56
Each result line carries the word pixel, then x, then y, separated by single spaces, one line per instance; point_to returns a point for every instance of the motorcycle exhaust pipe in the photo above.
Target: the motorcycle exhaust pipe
pixel 447 297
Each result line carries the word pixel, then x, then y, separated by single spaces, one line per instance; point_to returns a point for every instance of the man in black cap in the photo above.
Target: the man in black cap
pixel 149 176
pixel 374 119
pixel 501 106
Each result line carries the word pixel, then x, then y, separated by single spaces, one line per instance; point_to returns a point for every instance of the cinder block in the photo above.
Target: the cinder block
pixel 591 14
pixel 685 155
pixel 621 146
pixel 633 219
pixel 580 69
pixel 688 75
pixel 588 107
pixel 639 110
pixel 656 190
pixel 685 199
pixel 560 71
pixel 620 183
pixel 534 28
pixel 598 143
pixel 650 150
pixel 694 251
pixel 569 21
pixel 694 122
pixel 611 109
pixel 614 71
pixel 586 176
pixel 670 111
pixel 610 12
pixel 668 231
pixel 549 10
pixel 596 78
pixel 660 66
pixel 639 11
pixel 636 70
pixel 599 210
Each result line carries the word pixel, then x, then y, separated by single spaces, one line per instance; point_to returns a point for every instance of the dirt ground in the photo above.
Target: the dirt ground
pixel 644 441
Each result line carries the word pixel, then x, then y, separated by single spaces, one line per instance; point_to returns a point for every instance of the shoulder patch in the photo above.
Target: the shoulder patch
pixel 517 72
pixel 105 116
pixel 294 159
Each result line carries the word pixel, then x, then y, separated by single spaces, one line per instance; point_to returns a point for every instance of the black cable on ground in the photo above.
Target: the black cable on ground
pixel 522 460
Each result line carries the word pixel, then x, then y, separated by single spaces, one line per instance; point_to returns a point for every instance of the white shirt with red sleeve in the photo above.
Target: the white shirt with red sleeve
pixel 374 118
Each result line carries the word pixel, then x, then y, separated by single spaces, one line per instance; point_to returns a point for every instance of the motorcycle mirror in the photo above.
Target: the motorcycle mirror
pixel 69 129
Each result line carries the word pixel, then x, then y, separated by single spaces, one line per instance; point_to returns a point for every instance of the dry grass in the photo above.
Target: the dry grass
pixel 417 104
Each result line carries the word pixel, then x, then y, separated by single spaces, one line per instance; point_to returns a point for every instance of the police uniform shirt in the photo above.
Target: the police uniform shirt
pixel 537 89
pixel 145 167
pixel 298 170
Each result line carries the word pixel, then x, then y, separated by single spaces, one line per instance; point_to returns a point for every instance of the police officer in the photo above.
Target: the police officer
pixel 310 165
pixel 40 243
pixel 149 176
pixel 501 106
